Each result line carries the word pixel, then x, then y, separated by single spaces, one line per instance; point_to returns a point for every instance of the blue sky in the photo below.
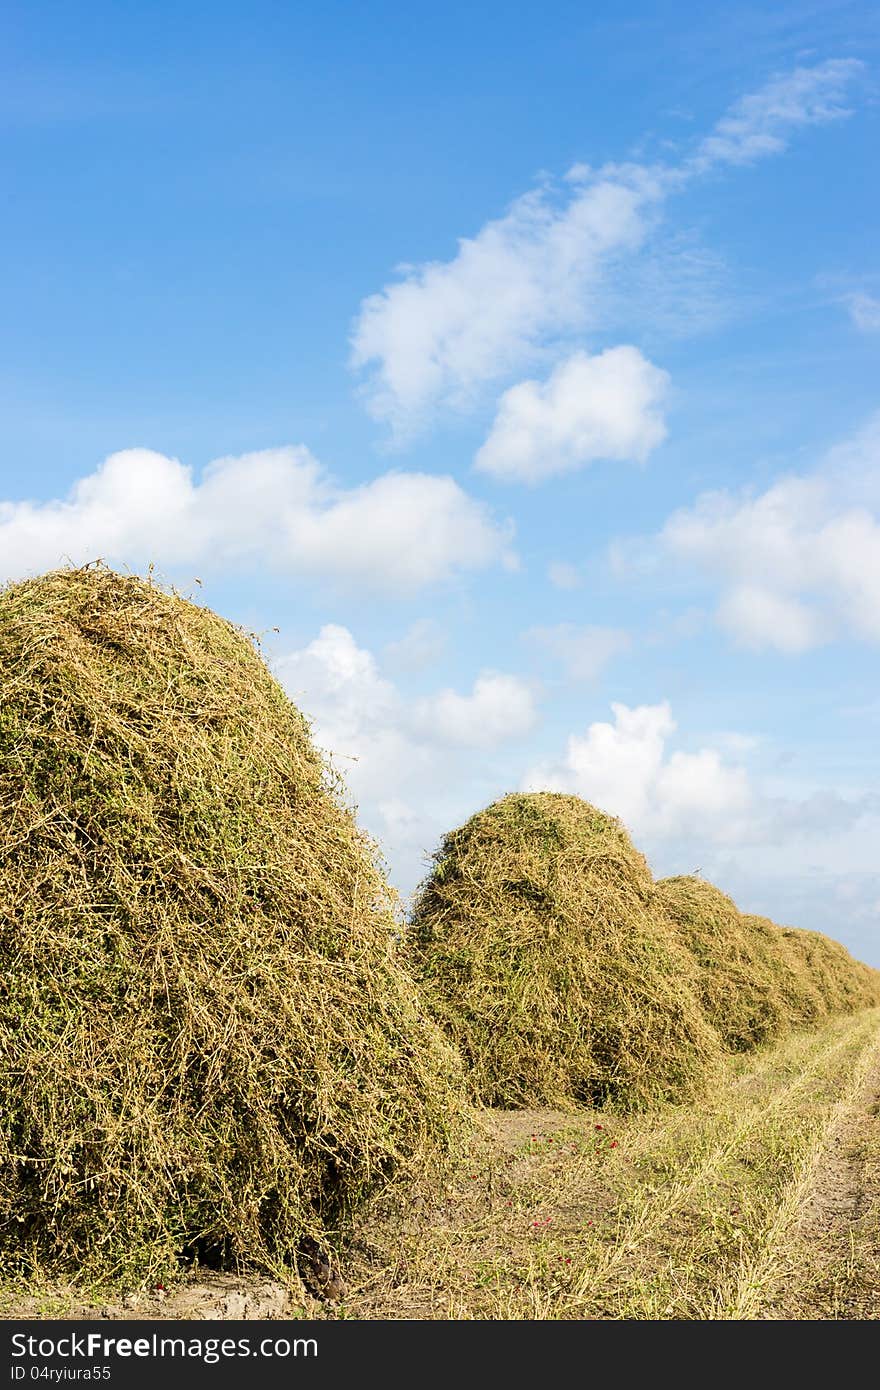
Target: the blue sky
pixel 517 362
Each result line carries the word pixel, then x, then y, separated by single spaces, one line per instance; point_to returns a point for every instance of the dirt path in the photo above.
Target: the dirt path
pixel 830 1262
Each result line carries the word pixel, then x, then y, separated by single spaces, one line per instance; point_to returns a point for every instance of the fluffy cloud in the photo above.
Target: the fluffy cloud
pixel 625 768
pixel 759 124
pixel 798 564
pixel 499 707
pixel 529 280
pixel 604 407
pixel 391 750
pixel 415 775
pixel 341 680
pixel 397 533
pixel 447 328
pixel 583 651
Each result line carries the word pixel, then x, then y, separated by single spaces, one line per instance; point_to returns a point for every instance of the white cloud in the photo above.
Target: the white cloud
pixel 608 406
pixel 864 310
pixel 519 289
pixel 446 328
pixel 397 533
pixel 624 768
pixel 697 801
pixel 414 778
pixel 415 768
pixel 798 564
pixel 583 651
pixel 499 707
pixel 759 124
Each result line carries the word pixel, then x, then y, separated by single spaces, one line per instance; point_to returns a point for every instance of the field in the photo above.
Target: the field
pixel 761 1203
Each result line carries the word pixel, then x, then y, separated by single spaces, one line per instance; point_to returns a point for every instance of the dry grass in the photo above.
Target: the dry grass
pixel 540 950
pixel 207 1045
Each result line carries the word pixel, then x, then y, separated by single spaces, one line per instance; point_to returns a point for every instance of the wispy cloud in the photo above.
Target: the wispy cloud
pixel 582 651
pixel 433 338
pixel 864 310
pixel 529 282
pixel 761 123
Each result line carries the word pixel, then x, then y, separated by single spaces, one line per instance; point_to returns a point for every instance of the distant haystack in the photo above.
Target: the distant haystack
pixel 207 1045
pixel 758 981
pixel 540 949
pixel 745 980
pixel 840 983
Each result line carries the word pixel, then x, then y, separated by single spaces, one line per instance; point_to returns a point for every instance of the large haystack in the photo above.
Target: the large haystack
pixel 207 1045
pixel 540 951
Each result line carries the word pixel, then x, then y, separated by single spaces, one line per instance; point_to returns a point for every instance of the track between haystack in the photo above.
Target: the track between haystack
pixel 829 1265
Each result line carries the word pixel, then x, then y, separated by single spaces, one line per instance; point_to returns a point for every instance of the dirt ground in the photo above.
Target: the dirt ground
pixel 830 1265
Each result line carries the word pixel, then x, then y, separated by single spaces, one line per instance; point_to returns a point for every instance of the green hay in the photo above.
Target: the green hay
pixel 540 950
pixel 207 1045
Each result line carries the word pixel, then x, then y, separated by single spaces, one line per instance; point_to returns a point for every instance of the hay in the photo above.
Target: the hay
pixel 207 1045
pixel 840 983
pixel 540 951
pixel 745 981
pixel 759 981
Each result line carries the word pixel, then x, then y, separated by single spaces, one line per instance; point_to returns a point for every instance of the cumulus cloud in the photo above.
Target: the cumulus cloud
pixel 608 406
pixel 528 281
pixel 583 651
pixel 340 682
pixel 498 708
pixel 760 123
pixel 397 533
pixel 625 768
pixel 390 749
pixel 798 564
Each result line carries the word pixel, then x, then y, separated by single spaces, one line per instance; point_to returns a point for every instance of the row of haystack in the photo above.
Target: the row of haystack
pixel 211 1046
pixel 565 974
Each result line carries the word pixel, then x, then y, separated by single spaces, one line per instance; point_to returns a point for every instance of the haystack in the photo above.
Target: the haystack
pixel 838 982
pixel 207 1045
pixel 746 983
pixel 540 951
pixel 758 981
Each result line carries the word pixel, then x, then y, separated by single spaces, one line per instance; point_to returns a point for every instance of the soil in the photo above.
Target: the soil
pixel 831 1266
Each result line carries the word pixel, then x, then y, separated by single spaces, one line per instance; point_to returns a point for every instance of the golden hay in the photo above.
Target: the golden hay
pixel 207 1045
pixel 541 953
